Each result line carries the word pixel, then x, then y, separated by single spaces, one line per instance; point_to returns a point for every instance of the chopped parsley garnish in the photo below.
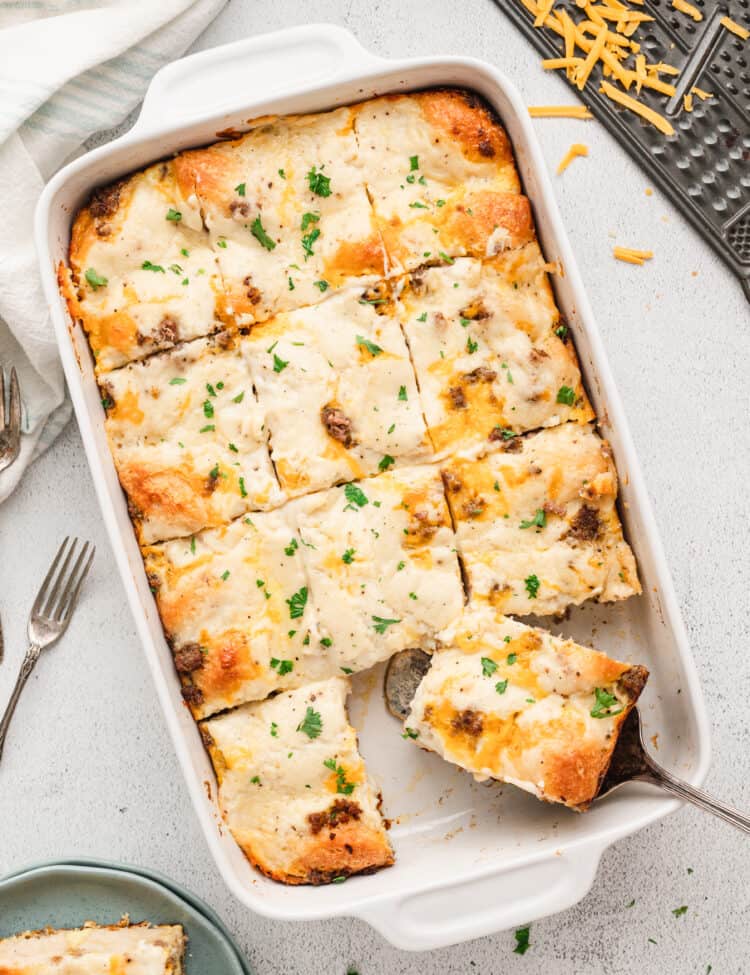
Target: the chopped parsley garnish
pixel 326 641
pixel 175 269
pixel 566 395
pixel 471 345
pixel 631 903
pixel 297 603
pixel 439 203
pixel 506 433
pixel 381 625
pixel 501 686
pixel 94 279
pixel 321 285
pixel 402 393
pixel 410 733
pixel 538 521
pixel 511 659
pixel 522 940
pixel 208 428
pixel 282 666
pixel 370 346
pixel 233 448
pixel 488 666
pixel 413 163
pixel 192 544
pixel 311 724
pixel 258 231
pixel 355 495
pixel 208 409
pixel 391 428
pixel 606 706
pixel 177 381
pixel 274 730
pixel 385 462
pixel 679 911
pixel 282 173
pixel 279 364
pixel 319 184
pixel 342 786
pixel 532 585
pixel 348 556
pixel 185 252
pixel 243 489
pixel 446 258
pixel 400 566
pixel 210 390
pixel 239 397
pixel 214 472
pixel 417 205
pixel 255 780
pixel 221 242
pixel 413 595
pixel 308 240
pixel 174 215
pixel 347 670
pixel 291 283
pixel 240 189
pixel 148 266
pixel 561 332
pixel 225 575
pixel 308 218
pixel 422 317
pixel 292 547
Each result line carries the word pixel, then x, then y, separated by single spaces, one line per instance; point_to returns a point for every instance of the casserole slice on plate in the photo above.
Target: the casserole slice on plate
pixel 136 949
pixel 293 788
pixel 509 702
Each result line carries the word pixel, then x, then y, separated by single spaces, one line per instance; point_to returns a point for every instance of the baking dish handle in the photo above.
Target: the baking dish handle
pixel 452 913
pixel 223 78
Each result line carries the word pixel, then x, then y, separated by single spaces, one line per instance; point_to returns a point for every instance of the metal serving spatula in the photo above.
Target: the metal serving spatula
pixel 631 761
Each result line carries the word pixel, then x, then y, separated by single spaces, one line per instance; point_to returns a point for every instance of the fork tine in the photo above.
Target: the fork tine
pixel 67 584
pixel 70 604
pixel 61 578
pixel 41 595
pixel 14 422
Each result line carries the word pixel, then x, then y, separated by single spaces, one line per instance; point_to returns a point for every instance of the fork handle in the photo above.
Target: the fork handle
pixel 29 662
pixel 678 787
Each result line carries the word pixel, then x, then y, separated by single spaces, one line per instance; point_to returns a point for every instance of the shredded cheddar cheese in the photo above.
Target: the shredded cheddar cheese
pixel 601 34
pixel 635 106
pixel 632 256
pixel 559 111
pixel 688 9
pixel 577 149
pixel 734 28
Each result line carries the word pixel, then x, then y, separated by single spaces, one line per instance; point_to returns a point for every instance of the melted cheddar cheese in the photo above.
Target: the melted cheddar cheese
pixel 536 523
pixel 508 702
pixel 293 789
pixel 189 438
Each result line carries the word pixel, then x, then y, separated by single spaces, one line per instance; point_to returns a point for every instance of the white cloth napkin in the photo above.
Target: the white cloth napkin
pixel 68 69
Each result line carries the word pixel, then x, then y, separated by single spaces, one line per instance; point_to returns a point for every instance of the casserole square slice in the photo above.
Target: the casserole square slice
pixel 188 438
pixel 381 559
pixel 509 702
pixel 536 523
pixel 440 172
pixel 490 353
pixel 142 273
pixel 338 389
pixel 293 788
pixel 287 211
pixel 128 949
pixel 234 606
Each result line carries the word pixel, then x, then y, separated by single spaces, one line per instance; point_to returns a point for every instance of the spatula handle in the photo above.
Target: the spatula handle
pixel 677 787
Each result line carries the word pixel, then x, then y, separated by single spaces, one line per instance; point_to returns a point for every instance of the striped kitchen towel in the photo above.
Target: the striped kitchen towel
pixel 68 69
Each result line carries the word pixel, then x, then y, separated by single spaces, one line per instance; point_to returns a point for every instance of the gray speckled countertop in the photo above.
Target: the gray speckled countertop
pixel 90 770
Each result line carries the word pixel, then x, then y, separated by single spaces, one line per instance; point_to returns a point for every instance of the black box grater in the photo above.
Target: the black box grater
pixel 704 168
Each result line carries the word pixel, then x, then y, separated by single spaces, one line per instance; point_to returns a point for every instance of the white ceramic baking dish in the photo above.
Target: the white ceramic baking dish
pixel 470 859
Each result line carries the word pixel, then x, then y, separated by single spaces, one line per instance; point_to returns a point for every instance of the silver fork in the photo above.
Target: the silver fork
pixel 10 428
pixel 50 614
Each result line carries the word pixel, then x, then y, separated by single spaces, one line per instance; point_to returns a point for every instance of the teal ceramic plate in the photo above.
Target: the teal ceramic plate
pixel 65 894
